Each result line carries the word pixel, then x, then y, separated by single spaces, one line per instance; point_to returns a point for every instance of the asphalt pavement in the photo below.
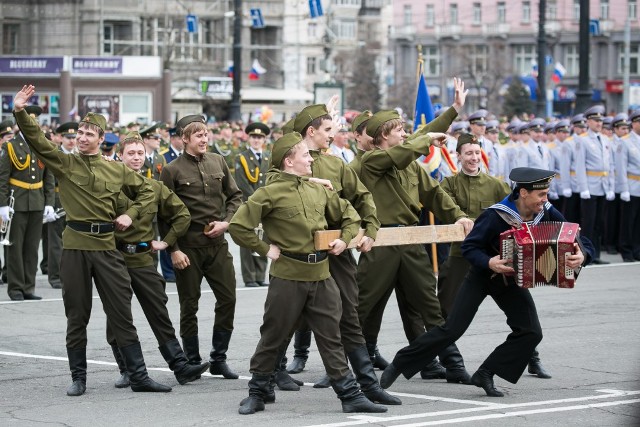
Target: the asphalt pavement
pixel 591 346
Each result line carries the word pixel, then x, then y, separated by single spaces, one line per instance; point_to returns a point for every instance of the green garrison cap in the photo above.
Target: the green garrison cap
pixel 133 136
pixel 183 122
pixel 288 127
pixel 466 138
pixel 96 120
pixel 309 114
pixel 33 110
pixel 360 119
pixel 531 178
pixel 282 146
pixel 378 119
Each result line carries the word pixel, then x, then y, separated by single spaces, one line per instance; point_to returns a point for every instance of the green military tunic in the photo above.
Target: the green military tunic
pixel 400 189
pixel 291 209
pixel 89 189
pixel 33 189
pixel 473 194
pixel 153 169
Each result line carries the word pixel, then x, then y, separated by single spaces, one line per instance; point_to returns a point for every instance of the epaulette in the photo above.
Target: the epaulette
pixel 584 134
pixel 163 151
pixel 626 136
pixel 569 138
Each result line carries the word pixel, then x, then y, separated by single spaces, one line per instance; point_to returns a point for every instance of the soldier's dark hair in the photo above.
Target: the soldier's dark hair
pixel 92 127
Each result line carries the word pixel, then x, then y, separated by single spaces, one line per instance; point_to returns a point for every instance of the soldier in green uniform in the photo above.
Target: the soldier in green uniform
pixel 400 188
pixel 24 176
pixel 89 188
pixel 136 244
pixel 203 182
pixel 154 162
pixel 291 209
pixel 6 133
pixel 250 172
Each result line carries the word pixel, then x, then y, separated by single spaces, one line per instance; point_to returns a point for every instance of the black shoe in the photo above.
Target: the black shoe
pixel 483 378
pixel 389 376
pixel 366 377
pixel 458 376
pixel 77 388
pixel 16 297
pixel 636 257
pixel 536 368
pixel 32 297
pixel 382 397
pixel 218 355
pixel 78 366
pixel 433 371
pixel 599 261
pixel 259 391
pixel 123 381
pixel 137 370
pixel 285 382
pixel 221 368
pixel 353 400
pixel 56 284
pixel 297 365
pixel 262 283
pixel 325 382
pixel 628 260
pixel 251 285
pixel 251 405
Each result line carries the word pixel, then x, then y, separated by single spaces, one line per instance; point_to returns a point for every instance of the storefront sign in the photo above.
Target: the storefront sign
pixel 96 65
pixel 31 65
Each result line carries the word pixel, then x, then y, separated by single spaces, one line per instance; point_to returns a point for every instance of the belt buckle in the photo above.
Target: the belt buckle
pixel 95 228
pixel 312 258
pixel 130 248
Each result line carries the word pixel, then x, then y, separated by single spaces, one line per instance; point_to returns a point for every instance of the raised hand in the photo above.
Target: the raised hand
pixel 22 97
pixel 460 94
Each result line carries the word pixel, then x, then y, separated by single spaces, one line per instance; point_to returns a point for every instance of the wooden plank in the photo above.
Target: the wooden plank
pixel 395 236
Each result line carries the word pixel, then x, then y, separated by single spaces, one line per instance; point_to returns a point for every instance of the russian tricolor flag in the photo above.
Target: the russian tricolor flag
pixel 558 73
pixel 256 70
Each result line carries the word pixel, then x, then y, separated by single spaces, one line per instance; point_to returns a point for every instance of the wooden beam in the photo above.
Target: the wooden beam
pixel 394 236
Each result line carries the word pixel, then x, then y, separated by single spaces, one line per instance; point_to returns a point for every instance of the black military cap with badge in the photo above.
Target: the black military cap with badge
pixel 531 178
pixel 68 129
pixel 6 127
pixel 33 110
pixel 257 129
pixel 151 132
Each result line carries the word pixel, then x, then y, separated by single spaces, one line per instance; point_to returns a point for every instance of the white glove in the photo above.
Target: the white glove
pixel 49 214
pixel 5 213
pixel 610 196
pixel 585 194
pixel 625 196
pixel 567 192
pixel 553 195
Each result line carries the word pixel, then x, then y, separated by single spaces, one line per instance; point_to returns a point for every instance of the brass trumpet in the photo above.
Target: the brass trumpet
pixel 5 228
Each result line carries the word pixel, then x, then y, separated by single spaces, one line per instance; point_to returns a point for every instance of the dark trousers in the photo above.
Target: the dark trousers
pixel 611 237
pixel 572 208
pixel 253 268
pixel 630 228
pixel 54 231
pixel 592 214
pixel 215 264
pixel 149 287
pixel 450 280
pixel 408 269
pixel 343 271
pixel 109 272
pixel 319 304
pixel 44 263
pixel 510 358
pixel 22 255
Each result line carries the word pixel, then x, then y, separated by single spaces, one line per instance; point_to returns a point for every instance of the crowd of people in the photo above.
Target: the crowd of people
pixel 117 203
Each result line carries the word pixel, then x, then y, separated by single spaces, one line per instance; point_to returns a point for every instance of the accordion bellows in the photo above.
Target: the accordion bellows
pixel 538 253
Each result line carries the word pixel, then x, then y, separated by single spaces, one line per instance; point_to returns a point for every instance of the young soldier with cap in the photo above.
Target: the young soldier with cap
pixel 204 184
pixel 526 204
pixel 153 162
pixel 136 244
pixel 628 169
pixel 400 188
pixel 291 209
pixel 176 146
pixel 6 131
pixel 108 147
pixel 23 173
pixel 595 177
pixel 89 188
pixel 478 127
pixel 250 172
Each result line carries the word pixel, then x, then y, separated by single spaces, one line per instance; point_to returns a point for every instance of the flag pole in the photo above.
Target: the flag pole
pixel 432 220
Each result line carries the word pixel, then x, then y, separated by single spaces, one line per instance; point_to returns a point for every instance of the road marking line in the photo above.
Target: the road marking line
pixel 445 399
pixel 366 419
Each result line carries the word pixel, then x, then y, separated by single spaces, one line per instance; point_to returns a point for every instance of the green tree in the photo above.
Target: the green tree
pixel 517 100
pixel 364 91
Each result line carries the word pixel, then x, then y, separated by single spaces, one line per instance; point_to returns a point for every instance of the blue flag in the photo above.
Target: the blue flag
pixel 424 109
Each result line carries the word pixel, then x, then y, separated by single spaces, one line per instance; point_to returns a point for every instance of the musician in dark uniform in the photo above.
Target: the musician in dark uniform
pixel 250 171
pixel 527 203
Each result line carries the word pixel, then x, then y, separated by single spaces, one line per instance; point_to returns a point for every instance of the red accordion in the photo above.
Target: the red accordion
pixel 539 253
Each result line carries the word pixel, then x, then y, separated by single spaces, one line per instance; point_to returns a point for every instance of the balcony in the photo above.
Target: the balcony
pixel 448 31
pixel 496 29
pixel 406 32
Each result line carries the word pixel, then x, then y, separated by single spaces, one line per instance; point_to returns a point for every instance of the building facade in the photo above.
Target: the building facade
pixel 488 41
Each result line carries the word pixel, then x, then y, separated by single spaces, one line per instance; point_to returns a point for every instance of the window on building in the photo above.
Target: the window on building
pixel 479 59
pixel 312 30
pixel 431 61
pixel 526 12
pixel 576 10
pixel 604 9
pixel 502 12
pixel 523 58
pixel 632 9
pixel 407 15
pixel 115 32
pixel 477 14
pixel 107 35
pixel 430 17
pixel 312 65
pixel 344 29
pixel 453 13
pixel 572 60
pixel 552 10
pixel 10 39
pixel 634 59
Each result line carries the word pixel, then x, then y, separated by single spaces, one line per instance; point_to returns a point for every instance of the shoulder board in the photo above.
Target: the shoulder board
pixel 626 136
pixel 164 151
pixel 569 138
pixel 584 134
